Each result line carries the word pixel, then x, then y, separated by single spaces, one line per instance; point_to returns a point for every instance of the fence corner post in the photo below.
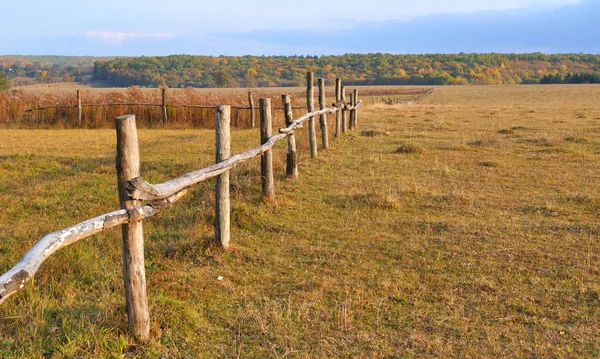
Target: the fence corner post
pixel 164 106
pixel 310 105
pixel 291 169
pixel 266 158
pixel 223 152
pixel 134 273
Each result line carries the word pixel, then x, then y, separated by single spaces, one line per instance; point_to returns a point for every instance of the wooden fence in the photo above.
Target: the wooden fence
pixel 163 105
pixel 133 190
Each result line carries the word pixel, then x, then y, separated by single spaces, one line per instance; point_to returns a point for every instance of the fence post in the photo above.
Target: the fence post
pixel 373 99
pixel 134 274
pixel 343 98
pixel 79 108
pixel 251 103
pixel 355 116
pixel 351 114
pixel 222 201
pixel 310 106
pixel 266 158
pixel 323 118
pixel 338 115
pixel 291 169
pixel 164 106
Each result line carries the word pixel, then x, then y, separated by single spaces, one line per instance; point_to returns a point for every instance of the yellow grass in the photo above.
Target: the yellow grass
pixel 484 243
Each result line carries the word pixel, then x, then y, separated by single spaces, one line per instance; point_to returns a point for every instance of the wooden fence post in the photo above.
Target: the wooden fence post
pixel 266 158
pixel 134 273
pixel 355 116
pixel 338 114
pixel 251 103
pixel 310 106
pixel 292 164
pixel 323 118
pixel 343 98
pixel 164 106
pixel 79 114
pixel 351 114
pixel 222 201
pixel 373 99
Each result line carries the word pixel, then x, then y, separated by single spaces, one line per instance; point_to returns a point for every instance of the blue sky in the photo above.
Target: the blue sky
pixel 231 27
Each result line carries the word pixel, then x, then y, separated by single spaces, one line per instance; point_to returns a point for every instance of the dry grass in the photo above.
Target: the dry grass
pixel 484 245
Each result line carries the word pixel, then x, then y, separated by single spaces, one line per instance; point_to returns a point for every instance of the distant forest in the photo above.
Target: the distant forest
pixel 28 70
pixel 268 71
pixel 368 69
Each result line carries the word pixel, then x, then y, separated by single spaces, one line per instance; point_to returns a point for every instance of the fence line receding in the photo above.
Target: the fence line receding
pixel 133 189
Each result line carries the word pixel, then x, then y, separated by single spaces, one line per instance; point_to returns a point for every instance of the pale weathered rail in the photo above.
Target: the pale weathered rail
pixel 133 189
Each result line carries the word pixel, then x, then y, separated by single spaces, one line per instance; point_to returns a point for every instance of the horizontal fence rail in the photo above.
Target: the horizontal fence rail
pixel 133 189
pixel 164 105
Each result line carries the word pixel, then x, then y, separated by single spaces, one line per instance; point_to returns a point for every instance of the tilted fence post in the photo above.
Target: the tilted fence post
pixel 338 114
pixel 323 118
pixel 79 114
pixel 292 164
pixel 134 273
pixel 251 103
pixel 164 106
pixel 223 152
pixel 310 106
pixel 266 158
pixel 343 98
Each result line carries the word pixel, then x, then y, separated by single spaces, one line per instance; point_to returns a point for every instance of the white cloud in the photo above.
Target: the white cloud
pixel 117 38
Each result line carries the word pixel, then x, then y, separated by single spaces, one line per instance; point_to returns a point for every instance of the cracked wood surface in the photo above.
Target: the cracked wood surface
pixel 22 272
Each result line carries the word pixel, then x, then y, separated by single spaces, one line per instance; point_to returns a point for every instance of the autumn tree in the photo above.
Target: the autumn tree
pixel 4 83
pixel 223 78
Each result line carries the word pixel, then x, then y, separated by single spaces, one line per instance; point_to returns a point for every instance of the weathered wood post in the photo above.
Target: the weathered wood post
pixel 343 98
pixel 266 158
pixel 338 114
pixel 251 103
pixel 323 118
pixel 134 273
pixel 164 106
pixel 355 118
pixel 222 201
pixel 373 99
pixel 310 106
pixel 79 114
pixel 351 114
pixel 291 169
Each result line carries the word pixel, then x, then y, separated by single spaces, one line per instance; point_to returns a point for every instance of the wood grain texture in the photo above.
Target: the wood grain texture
pixel 25 269
pixel 338 115
pixel 134 271
pixel 310 105
pixel 323 116
pixel 266 158
pixel 251 105
pixel 223 152
pixel 291 163
pixel 344 116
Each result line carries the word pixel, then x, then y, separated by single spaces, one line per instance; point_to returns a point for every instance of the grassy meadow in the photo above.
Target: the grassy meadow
pixel 462 226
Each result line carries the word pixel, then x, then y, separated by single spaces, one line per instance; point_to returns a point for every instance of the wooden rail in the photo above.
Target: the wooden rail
pixel 133 189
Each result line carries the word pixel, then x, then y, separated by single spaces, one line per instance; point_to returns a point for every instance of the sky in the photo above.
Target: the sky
pixel 310 27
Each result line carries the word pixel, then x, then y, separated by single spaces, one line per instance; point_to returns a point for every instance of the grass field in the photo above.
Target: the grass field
pixel 469 230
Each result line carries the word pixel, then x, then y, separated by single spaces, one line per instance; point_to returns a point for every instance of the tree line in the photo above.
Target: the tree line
pixel 356 69
pixel 268 71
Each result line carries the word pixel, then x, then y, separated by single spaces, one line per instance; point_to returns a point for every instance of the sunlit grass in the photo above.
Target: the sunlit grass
pixel 484 244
